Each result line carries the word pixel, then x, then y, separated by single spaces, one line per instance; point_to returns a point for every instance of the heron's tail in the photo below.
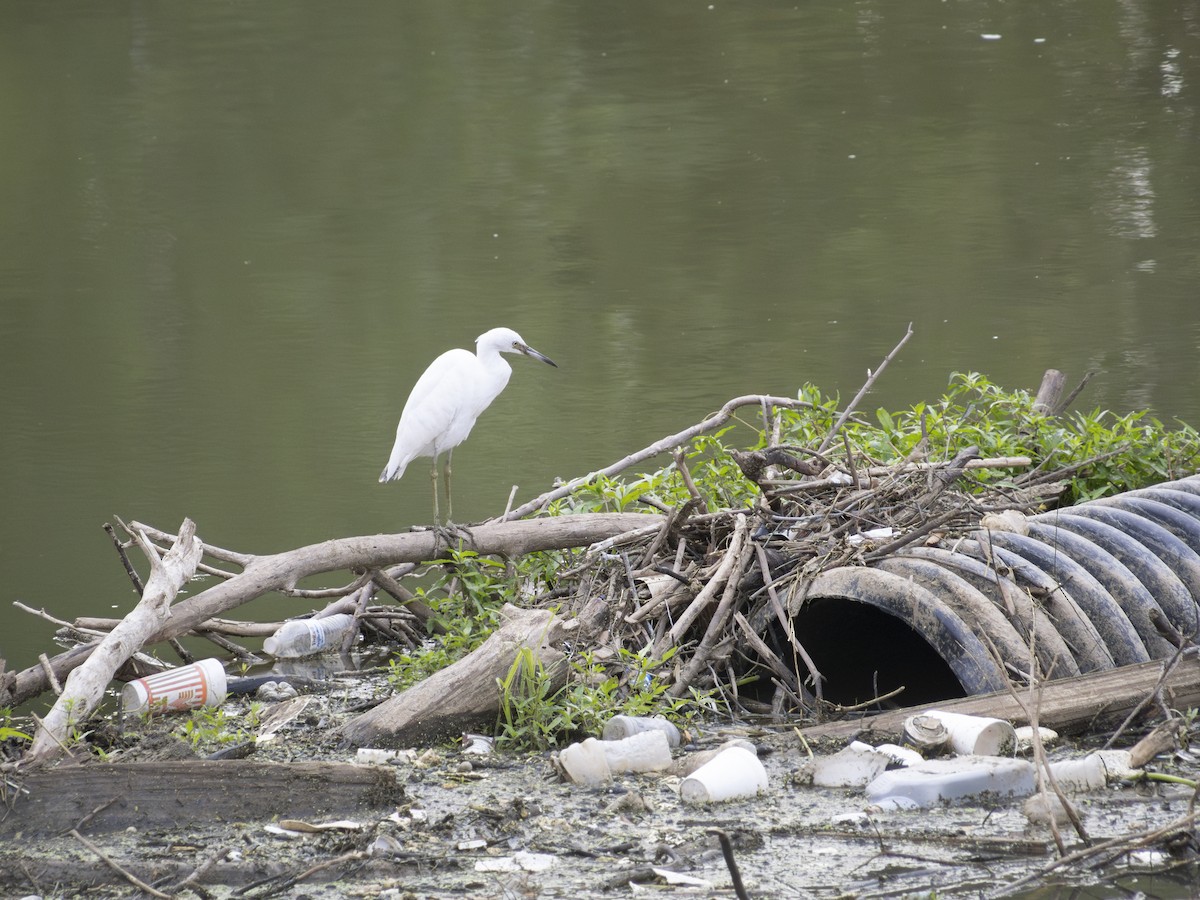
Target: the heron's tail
pixel 392 471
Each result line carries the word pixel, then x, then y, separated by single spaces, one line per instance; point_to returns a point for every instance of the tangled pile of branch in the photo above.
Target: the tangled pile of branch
pixel 706 585
pixel 713 586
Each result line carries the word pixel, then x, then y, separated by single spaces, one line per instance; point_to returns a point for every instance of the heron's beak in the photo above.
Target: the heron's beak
pixel 529 351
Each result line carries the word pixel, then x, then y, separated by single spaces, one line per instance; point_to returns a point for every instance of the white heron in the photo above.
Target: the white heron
pixel 448 398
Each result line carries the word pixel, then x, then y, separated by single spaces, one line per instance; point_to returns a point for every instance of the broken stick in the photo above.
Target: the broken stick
pixel 85 686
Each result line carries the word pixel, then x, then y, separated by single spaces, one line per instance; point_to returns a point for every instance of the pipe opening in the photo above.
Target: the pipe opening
pixel 864 652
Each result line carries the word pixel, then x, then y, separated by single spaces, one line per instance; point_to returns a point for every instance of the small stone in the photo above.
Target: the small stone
pixel 1041 809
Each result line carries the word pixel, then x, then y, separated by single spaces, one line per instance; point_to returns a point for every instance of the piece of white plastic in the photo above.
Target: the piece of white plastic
pixel 1024 735
pixel 901 756
pixel 593 762
pixel 733 774
pixel 1077 776
pixel 855 766
pixel 1118 764
pixel 376 756
pixel 584 763
pixel 686 765
pixel 939 781
pixel 646 751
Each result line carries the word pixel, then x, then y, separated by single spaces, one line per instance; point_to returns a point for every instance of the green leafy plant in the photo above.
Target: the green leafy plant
pixel 7 731
pixel 530 717
pixel 1102 453
pixel 536 715
pixel 216 727
pixel 466 599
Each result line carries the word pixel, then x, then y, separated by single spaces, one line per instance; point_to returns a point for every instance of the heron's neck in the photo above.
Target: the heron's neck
pixel 491 358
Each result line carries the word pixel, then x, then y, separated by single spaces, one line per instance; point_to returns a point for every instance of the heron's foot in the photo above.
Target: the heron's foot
pixel 452 535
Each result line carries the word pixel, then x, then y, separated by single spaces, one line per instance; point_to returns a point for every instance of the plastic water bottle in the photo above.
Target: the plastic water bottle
pixel 306 637
pixel 627 726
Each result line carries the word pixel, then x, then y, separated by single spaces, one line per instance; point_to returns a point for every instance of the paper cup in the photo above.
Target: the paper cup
pixel 584 763
pixel 733 774
pixel 188 687
pixel 977 735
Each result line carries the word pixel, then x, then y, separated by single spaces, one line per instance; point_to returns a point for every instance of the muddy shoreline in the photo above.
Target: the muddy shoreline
pixel 463 825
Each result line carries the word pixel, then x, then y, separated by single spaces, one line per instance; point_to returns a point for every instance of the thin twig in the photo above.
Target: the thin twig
pixel 1167 669
pixel 112 864
pixel 129 569
pixel 789 629
pixel 871 379
pixel 1129 842
pixel 715 583
pixel 201 870
pixel 686 474
pixel 44 662
pixel 166 537
pixel 716 420
pixel 1070 398
pixel 734 873
pixel 279 884
pixel 72 626
pixel 95 812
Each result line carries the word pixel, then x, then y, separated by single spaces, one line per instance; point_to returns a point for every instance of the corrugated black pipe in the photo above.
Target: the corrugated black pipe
pixel 1084 589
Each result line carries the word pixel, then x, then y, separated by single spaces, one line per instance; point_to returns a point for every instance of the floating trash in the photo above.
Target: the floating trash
pixel 938 781
pixel 176 690
pixel 734 774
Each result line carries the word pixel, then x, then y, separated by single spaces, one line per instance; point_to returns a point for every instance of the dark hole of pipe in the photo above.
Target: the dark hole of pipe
pixel 850 642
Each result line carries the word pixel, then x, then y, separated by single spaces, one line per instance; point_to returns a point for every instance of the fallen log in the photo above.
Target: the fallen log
pixel 1066 705
pixel 463 696
pixel 265 574
pixel 190 792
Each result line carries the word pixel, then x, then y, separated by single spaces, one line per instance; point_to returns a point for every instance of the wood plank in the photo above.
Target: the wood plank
pixel 1068 705
pixel 189 792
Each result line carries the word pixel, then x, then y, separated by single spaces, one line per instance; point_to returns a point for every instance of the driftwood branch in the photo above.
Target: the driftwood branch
pixel 266 574
pixel 85 686
pixel 1049 394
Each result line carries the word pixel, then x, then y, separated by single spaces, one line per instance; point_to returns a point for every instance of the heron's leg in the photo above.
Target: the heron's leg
pixel 433 476
pixel 449 502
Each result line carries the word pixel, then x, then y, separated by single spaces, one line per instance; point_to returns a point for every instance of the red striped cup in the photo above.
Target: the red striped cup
pixel 188 687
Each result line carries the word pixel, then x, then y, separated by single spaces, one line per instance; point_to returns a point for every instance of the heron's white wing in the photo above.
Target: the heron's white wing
pixel 434 405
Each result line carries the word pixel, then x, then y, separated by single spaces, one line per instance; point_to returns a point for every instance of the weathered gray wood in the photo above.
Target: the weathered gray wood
pixel 1067 705
pixel 463 696
pixel 1049 396
pixel 85 687
pixel 264 574
pixel 189 792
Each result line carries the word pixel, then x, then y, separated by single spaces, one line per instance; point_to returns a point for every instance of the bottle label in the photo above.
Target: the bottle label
pixel 319 635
